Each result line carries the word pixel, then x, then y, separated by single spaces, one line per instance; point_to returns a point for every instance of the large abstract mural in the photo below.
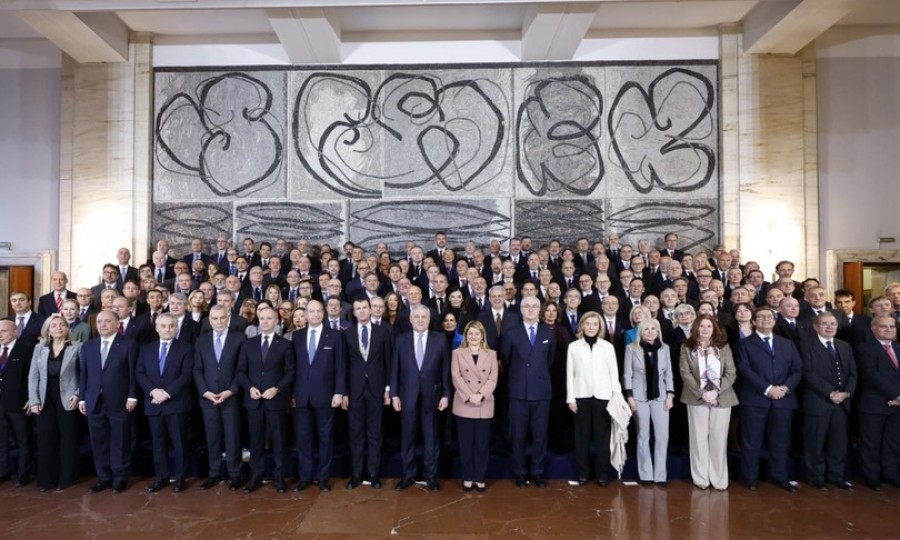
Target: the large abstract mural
pixel 391 153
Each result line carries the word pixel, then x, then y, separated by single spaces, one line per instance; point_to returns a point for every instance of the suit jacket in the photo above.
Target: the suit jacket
pixel 116 380
pixel 759 368
pixel 217 376
pixel 432 382
pixel 689 367
pixel 880 381
pixel 235 324
pixel 509 320
pixel 190 330
pixel 471 378
pixel 32 331
pixel 130 274
pixel 635 377
pixel 189 258
pixel 820 376
pixel 276 370
pixel 855 331
pixel 529 366
pixel 802 329
pixel 68 376
pixel 136 329
pixel 175 379
pixel 316 382
pixel 14 377
pixel 369 371
pixel 47 303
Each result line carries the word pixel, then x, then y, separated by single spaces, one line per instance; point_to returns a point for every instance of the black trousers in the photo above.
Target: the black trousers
pixel 525 416
pixel 365 416
pixel 474 447
pixel 222 424
pixel 166 429
pixel 58 440
pixel 825 445
pixel 15 423
pixel 592 423
pixel 272 424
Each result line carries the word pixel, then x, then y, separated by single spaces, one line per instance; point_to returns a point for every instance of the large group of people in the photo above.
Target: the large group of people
pixel 274 348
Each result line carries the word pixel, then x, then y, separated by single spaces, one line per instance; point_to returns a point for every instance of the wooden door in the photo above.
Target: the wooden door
pixel 853 281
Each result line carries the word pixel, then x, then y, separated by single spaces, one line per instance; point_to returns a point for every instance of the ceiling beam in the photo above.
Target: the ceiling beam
pixel 86 37
pixel 786 26
pixel 308 35
pixel 554 31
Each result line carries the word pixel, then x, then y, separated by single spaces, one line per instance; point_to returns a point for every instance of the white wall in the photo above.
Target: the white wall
pixel 29 157
pixel 859 145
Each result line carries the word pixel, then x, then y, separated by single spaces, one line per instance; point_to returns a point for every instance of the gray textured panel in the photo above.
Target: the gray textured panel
pixel 320 222
pixel 416 133
pixel 558 130
pixel 566 220
pixel 662 131
pixel 695 221
pixel 219 135
pixel 395 222
pixel 180 222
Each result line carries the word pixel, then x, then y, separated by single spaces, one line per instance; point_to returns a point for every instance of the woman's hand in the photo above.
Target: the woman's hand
pixel 573 407
pixel 632 404
pixel 35 410
pixel 670 402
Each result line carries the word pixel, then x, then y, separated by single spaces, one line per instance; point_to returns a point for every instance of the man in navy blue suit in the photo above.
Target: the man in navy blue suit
pixel 770 369
pixel 164 372
pixel 527 352
pixel 368 346
pixel 266 372
pixel 420 389
pixel 215 374
pixel 108 397
pixel 320 376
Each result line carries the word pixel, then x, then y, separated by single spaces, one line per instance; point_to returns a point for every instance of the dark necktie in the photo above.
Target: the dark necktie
pixel 4 356
pixel 574 322
pixel 365 337
pixel 257 294
pixel 163 352
pixel 83 315
pixel 531 335
pixel 837 365
pixel 121 329
pixel 265 348
pixel 768 341
pixel 159 276
pixel 440 305
pixel 498 321
pixel 293 295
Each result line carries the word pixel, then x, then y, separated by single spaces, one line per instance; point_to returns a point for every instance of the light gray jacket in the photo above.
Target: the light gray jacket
pixel 68 375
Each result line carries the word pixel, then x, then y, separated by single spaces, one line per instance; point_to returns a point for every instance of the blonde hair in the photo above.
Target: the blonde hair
pixel 590 315
pixel 477 326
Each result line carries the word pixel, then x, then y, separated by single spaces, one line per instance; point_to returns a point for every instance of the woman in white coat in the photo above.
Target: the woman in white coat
pixel 650 392
pixel 592 378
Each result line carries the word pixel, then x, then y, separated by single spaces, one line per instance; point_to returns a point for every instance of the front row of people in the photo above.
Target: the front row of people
pixel 362 369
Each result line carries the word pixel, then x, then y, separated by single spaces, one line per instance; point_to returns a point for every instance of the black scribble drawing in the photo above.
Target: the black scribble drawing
pixel 410 132
pixel 566 220
pixel 558 130
pixel 224 134
pixel 696 223
pixel 664 137
pixel 180 222
pixel 322 222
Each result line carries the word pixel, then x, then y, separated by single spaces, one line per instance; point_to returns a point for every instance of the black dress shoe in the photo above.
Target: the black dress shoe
pixel 235 484
pixel 178 486
pixel 22 481
pixel 210 483
pixel 895 483
pixel 751 486
pixel 662 484
pixel 818 484
pixel 480 487
pixel 582 481
pixel 254 485
pixel 602 482
pixel 302 485
pixel 43 489
pixel 354 483
pixel 521 481
pixel 843 484
pixel 324 486
pixel 874 486
pixel 645 483
pixel 156 486
pixel 119 485
pixel 101 485
pixel 539 481
pixel 787 486
pixel 280 486
pixel 432 484
pixel 404 484
pixel 375 483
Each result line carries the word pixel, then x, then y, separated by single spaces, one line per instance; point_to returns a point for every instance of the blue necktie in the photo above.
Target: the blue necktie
pixel 162 357
pixel 265 348
pixel 420 350
pixel 365 337
pixel 218 346
pixel 531 335
pixel 769 344
pixel 311 347
pixel 574 322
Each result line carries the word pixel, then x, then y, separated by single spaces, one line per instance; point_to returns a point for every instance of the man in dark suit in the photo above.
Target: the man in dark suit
pixel 266 372
pixel 829 376
pixel 320 376
pixel 163 269
pixel 15 361
pixel 671 250
pixel 879 405
pixel 420 389
pixel 496 319
pixel 109 280
pixel 236 323
pixel 128 326
pixel 28 323
pixel 196 254
pixel 853 328
pixel 770 368
pixel 440 245
pixel 186 329
pixel 215 374
pixel 52 302
pixel 108 397
pixel 164 370
pixel 528 350
pixel 368 347
pixel 788 325
pixel 126 271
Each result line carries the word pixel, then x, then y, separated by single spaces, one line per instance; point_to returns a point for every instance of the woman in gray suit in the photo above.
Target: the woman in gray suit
pixel 53 399
pixel 650 391
pixel 708 371
pixel 474 370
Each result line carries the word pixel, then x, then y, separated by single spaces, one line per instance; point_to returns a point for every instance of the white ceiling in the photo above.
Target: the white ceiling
pixel 364 20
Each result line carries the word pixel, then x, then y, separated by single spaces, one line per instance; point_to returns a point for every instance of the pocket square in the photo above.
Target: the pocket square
pixel 327 348
pixel 546 341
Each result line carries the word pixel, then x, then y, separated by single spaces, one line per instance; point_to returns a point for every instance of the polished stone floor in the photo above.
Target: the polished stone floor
pixel 559 511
